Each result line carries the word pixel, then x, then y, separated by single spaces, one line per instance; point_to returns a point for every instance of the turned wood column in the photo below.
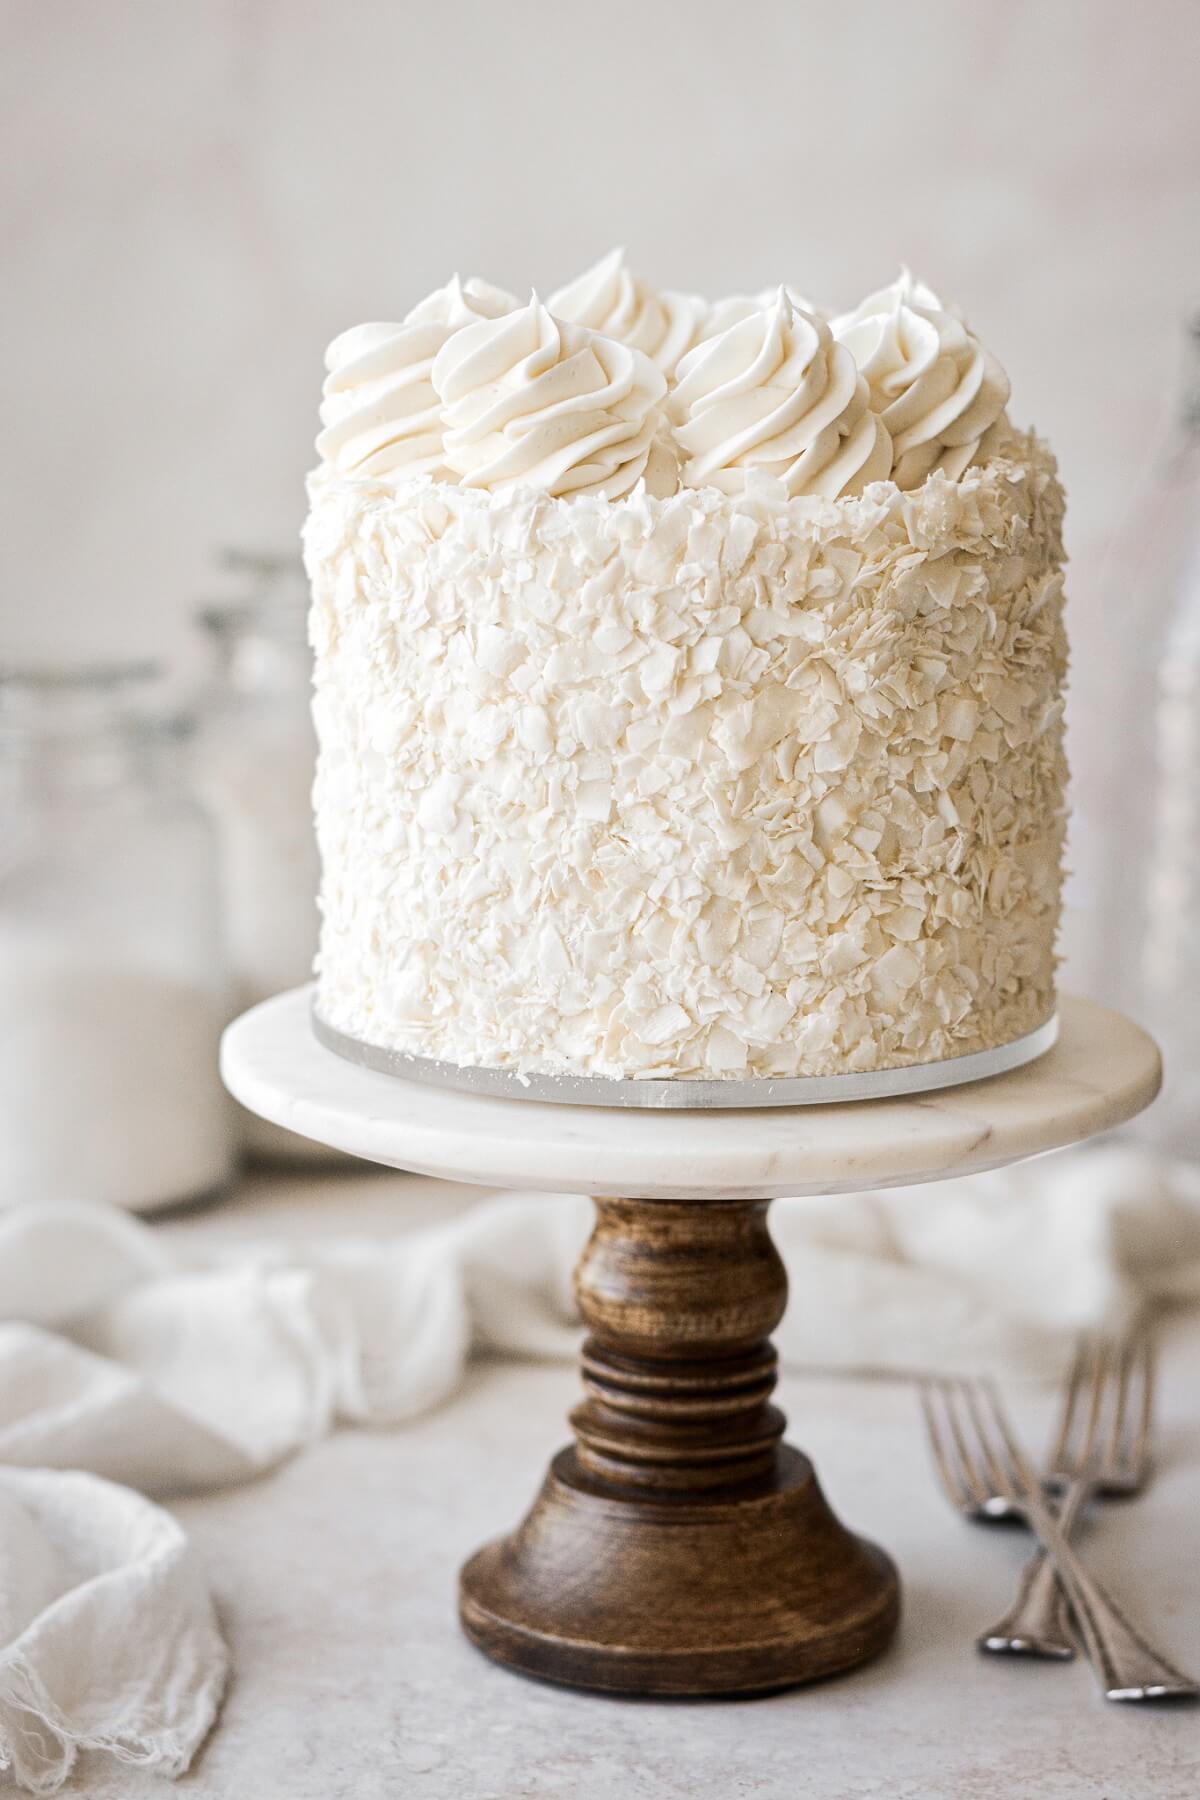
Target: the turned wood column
pixel 678 1546
pixel 678 1369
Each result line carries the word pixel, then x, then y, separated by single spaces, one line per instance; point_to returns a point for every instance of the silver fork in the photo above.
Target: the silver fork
pixel 1102 1447
pixel 981 1464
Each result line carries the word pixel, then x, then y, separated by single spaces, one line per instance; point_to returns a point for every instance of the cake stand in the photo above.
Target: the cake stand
pixel 679 1546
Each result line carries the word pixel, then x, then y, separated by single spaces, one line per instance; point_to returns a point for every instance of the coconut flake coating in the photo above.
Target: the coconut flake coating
pixel 710 786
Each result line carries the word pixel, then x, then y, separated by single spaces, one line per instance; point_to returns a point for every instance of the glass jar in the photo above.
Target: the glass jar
pixel 1137 835
pixel 1170 935
pixel 112 980
pixel 253 756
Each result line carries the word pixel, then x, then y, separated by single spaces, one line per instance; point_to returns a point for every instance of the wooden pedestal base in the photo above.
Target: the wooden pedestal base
pixel 679 1547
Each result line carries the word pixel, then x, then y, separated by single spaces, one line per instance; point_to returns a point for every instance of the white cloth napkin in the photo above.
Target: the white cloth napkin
pixel 109 1639
pixel 119 1357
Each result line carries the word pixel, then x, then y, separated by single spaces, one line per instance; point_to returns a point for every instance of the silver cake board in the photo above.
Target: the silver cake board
pixel 654 1093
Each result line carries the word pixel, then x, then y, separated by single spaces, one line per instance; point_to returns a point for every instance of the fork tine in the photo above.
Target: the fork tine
pixel 967 1484
pixel 1124 1357
pixel 1102 1369
pixel 1090 1426
pixel 956 1399
pixel 947 1469
pixel 996 1482
pixel 1023 1480
pixel 1141 1409
pixel 949 1466
pixel 1061 1456
pixel 938 1448
pixel 999 1477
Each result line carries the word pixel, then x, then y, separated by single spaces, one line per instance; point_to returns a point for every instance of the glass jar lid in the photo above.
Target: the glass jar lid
pixel 64 702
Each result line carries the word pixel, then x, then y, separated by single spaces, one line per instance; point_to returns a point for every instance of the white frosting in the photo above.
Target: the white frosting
pixel 938 390
pixel 609 299
pixel 755 383
pixel 533 401
pixel 777 395
pixel 736 307
pixel 715 785
pixel 380 413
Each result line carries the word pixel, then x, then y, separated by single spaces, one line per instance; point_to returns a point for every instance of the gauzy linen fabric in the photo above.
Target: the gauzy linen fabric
pixel 123 1362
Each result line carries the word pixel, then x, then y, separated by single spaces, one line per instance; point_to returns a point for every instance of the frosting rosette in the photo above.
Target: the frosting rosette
pixel 609 299
pixel 534 401
pixel 736 307
pixel 776 393
pixel 938 391
pixel 380 414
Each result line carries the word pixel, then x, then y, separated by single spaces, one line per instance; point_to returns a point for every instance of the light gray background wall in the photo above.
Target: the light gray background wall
pixel 197 194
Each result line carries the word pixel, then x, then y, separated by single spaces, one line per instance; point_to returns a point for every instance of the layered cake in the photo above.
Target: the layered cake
pixel 689 685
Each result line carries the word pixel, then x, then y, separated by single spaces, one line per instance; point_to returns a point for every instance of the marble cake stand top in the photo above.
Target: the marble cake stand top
pixel 1102 1071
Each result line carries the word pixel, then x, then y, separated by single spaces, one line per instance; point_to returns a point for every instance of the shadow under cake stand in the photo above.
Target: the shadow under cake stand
pixel 679 1546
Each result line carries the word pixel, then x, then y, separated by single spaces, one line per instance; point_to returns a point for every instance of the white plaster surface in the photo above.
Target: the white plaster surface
pixel 1102 1071
pixel 336 1580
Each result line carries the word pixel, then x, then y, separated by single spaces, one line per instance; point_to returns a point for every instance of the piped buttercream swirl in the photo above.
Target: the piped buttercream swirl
pixel 380 414
pixel 936 388
pixel 721 314
pixel 536 401
pixel 776 393
pixel 610 299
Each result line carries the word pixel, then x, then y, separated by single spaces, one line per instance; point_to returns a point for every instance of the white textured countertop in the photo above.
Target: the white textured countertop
pixel 335 1578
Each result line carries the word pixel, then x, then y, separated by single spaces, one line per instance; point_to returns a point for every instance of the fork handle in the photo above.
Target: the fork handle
pixel 1038 1623
pixel 1125 1665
